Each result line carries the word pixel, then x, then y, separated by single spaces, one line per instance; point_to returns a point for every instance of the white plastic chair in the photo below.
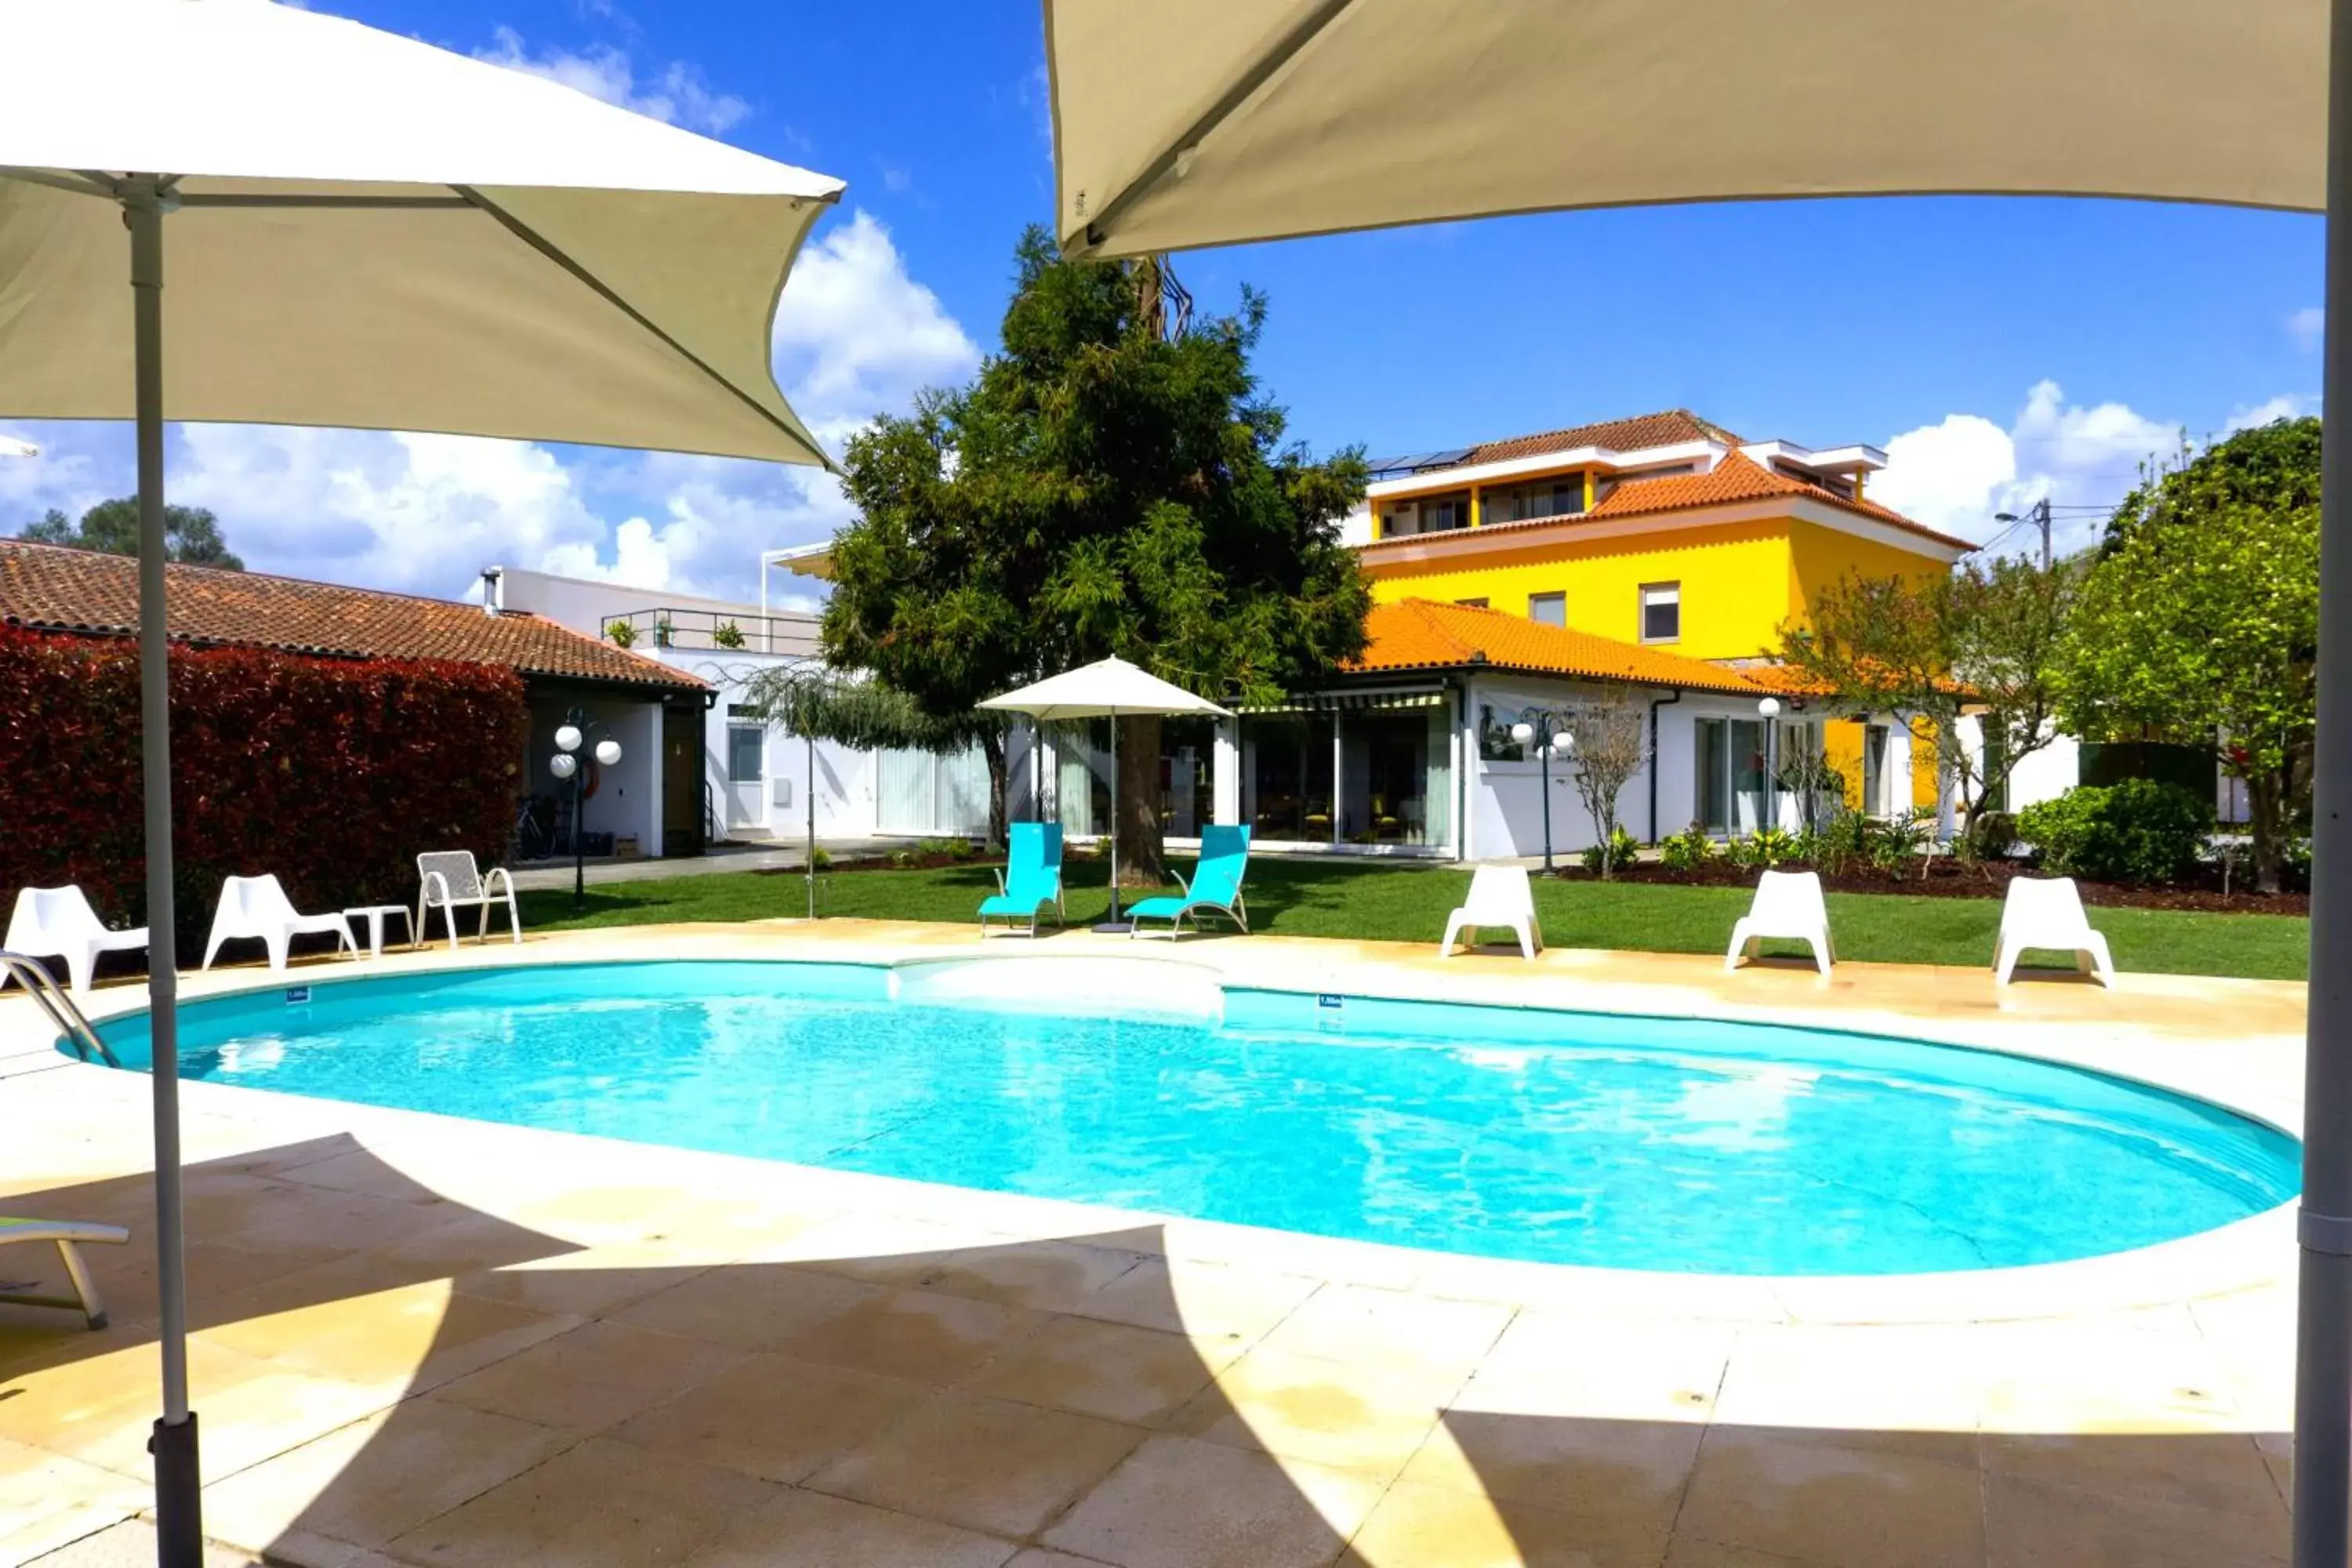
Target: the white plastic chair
pixel 257 908
pixel 449 880
pixel 58 922
pixel 1788 905
pixel 1499 896
pixel 2047 912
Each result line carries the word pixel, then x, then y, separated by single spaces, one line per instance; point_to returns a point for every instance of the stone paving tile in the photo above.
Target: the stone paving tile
pixel 747 1307
pixel 1179 1502
pixel 403 1340
pixel 914 1334
pixel 1608 1368
pixel 130 1544
pixel 1111 1370
pixel 1329 1413
pixel 1631 1476
pixel 600 1505
pixel 1435 1527
pixel 1050 1276
pixel 981 1464
pixel 773 1417
pixel 808 1530
pixel 1391 1328
pixel 1208 1301
pixel 1833 1504
pixel 592 1377
pixel 375 1479
pixel 2030 1526
pixel 47 1500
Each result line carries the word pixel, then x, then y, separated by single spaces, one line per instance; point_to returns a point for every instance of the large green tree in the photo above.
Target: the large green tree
pixel 1983 639
pixel 2200 623
pixel 1104 487
pixel 191 534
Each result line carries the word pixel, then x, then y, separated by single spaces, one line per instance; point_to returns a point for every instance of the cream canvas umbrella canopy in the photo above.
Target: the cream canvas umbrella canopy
pixel 1249 119
pixel 1104 690
pixel 359 231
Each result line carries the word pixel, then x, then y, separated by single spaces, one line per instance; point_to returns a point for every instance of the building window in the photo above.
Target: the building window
pixel 1472 604
pixel 1495 742
pixel 1548 609
pixel 1561 497
pixel 1873 770
pixel 1425 514
pixel 1662 612
pixel 746 749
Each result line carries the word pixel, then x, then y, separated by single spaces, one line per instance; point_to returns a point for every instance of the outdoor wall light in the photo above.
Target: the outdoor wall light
pixel 608 752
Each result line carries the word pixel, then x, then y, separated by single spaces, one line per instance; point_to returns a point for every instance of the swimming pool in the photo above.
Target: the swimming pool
pixel 1558 1137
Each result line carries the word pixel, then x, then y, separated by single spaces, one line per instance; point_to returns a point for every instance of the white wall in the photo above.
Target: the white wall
pixel 588 604
pixel 628 794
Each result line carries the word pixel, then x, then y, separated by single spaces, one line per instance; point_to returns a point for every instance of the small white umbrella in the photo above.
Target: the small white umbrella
pixel 1104 690
pixel 364 231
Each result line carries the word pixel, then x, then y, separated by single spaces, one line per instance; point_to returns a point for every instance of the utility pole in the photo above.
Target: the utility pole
pixel 2039 515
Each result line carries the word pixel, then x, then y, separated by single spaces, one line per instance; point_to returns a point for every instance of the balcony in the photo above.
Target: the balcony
pixel 660 630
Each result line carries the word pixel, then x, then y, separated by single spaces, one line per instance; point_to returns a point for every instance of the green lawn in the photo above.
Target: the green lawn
pixel 1304 897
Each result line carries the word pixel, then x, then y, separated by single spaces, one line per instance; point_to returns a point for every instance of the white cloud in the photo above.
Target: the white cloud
pixel 1955 475
pixel 856 336
pixel 2308 328
pixel 2286 406
pixel 677 93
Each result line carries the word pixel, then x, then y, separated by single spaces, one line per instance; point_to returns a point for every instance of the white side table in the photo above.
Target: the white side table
pixel 375 914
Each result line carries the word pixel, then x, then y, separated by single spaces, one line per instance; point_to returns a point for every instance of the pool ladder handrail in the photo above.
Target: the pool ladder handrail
pixel 35 977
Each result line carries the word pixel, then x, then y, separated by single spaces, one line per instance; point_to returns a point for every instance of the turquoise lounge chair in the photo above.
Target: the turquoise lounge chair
pixel 1031 878
pixel 1215 887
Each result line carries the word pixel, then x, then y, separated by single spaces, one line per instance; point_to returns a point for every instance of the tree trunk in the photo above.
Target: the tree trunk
pixel 1141 858
pixel 991 747
pixel 2266 811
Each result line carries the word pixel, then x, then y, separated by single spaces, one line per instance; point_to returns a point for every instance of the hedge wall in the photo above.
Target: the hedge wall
pixel 331 773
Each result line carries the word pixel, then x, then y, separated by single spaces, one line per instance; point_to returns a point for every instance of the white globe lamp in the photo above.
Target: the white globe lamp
pixel 608 752
pixel 568 739
pixel 563 764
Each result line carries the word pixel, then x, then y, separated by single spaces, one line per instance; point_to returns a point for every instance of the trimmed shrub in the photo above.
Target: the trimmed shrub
pixel 1764 849
pixel 331 773
pixel 1623 850
pixel 2138 830
pixel 1686 851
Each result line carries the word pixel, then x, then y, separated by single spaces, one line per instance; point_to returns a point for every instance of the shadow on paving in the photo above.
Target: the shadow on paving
pixel 942 1410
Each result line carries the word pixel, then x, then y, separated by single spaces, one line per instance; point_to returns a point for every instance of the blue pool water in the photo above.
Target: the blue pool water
pixel 1561 1137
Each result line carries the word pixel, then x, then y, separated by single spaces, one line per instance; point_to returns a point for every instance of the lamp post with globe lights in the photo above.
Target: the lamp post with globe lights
pixel 565 766
pixel 1542 729
pixel 1769 710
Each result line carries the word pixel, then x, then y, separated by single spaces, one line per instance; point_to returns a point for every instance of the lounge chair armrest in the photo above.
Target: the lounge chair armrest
pixel 999 872
pixel 431 877
pixel 1181 881
pixel 493 878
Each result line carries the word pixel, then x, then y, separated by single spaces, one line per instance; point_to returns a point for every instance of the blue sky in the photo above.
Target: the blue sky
pixel 2006 349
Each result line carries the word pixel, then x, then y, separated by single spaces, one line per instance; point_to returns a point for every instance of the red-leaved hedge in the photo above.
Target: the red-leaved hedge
pixel 332 772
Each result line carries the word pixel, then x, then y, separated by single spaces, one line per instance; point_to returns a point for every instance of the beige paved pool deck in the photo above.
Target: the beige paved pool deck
pixel 423 1341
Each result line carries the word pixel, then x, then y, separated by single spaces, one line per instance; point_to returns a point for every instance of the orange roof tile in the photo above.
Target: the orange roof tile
pixel 50 587
pixel 1644 430
pixel 1422 633
pixel 1737 477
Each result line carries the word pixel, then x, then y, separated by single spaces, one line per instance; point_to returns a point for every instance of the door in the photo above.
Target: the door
pixel 682 782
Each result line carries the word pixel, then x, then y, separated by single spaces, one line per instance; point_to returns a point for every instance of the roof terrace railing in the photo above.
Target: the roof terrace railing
pixel 717 631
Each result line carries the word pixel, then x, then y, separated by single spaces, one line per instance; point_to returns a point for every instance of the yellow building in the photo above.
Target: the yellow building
pixel 1666 531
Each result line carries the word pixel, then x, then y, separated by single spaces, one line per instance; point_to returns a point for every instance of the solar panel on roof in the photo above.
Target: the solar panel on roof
pixel 1440 459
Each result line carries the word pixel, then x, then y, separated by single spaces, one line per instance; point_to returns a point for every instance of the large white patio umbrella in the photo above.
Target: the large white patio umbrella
pixel 1257 119
pixel 1105 688
pixel 364 231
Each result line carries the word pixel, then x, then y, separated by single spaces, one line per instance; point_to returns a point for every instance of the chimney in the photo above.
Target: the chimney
pixel 494 589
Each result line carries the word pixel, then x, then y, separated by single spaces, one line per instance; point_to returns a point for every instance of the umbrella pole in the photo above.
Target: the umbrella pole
pixel 178 1516
pixel 2323 1360
pixel 1114 819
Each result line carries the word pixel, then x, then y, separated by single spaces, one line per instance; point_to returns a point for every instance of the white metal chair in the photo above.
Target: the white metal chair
pixel 1499 896
pixel 258 908
pixel 69 1235
pixel 2046 912
pixel 449 880
pixel 1788 905
pixel 58 922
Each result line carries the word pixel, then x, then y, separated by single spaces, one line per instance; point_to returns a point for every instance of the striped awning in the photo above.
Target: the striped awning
pixel 1383 700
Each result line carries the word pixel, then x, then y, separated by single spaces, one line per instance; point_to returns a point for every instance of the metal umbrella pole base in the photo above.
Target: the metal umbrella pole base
pixel 1114 926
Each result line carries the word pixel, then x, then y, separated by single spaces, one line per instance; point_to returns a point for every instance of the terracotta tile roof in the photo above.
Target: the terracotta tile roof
pixel 1670 429
pixel 1422 633
pixel 51 588
pixel 1737 478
